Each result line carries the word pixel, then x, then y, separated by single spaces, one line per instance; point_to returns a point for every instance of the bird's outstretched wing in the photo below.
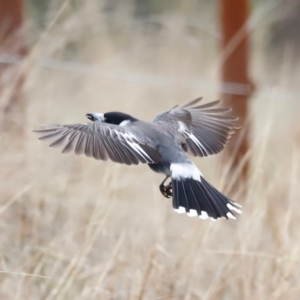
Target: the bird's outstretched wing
pixel 203 129
pixel 102 141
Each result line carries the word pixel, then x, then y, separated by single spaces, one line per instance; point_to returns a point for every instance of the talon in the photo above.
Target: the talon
pixel 169 190
pixel 166 190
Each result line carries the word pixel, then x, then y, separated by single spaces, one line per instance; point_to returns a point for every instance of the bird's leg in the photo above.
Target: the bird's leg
pixel 163 188
pixel 166 190
pixel 169 189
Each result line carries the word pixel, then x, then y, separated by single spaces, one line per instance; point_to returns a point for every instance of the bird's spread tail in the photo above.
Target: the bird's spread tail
pixel 193 195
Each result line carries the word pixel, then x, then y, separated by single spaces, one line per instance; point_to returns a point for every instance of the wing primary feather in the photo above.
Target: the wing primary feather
pixel 117 155
pixel 60 142
pixel 103 152
pixel 71 143
pixel 59 133
pixel 207 105
pixel 191 103
pixel 55 129
pixel 109 151
pixel 131 154
pixel 89 146
pixel 50 136
pixel 214 110
pixel 128 160
pixel 96 150
pixel 222 117
pixel 119 150
pixel 79 149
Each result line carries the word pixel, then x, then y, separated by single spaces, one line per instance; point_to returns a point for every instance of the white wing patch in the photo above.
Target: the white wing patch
pixel 124 123
pixel 129 139
pixel 184 130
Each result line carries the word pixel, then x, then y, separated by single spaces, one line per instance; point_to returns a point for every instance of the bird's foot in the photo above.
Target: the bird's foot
pixel 166 190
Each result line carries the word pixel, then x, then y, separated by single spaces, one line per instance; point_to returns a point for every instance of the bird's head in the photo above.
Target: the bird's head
pixel 116 118
pixel 95 117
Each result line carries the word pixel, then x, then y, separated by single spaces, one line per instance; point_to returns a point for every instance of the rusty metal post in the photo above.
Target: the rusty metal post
pixel 11 44
pixel 236 86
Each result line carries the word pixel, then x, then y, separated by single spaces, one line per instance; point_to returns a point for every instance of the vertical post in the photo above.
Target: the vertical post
pixel 12 44
pixel 11 17
pixel 236 87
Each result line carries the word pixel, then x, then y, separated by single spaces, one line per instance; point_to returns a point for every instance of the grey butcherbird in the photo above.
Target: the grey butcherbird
pixel 199 130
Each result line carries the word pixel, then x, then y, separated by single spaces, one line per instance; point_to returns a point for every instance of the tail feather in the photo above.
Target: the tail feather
pixel 213 210
pixel 199 198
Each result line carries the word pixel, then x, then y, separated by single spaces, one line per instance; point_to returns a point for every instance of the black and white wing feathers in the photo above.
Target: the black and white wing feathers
pixel 203 129
pixel 101 141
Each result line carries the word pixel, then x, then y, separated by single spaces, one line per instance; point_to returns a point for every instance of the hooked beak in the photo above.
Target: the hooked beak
pixel 95 117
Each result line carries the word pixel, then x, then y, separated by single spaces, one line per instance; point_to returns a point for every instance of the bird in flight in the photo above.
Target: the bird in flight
pixel 198 130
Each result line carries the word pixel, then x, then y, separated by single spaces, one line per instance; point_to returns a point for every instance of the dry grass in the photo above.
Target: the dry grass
pixel 74 228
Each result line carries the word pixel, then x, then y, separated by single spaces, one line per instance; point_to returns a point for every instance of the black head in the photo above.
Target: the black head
pixel 117 118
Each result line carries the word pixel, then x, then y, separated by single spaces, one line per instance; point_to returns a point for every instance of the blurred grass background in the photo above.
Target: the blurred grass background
pixel 75 228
